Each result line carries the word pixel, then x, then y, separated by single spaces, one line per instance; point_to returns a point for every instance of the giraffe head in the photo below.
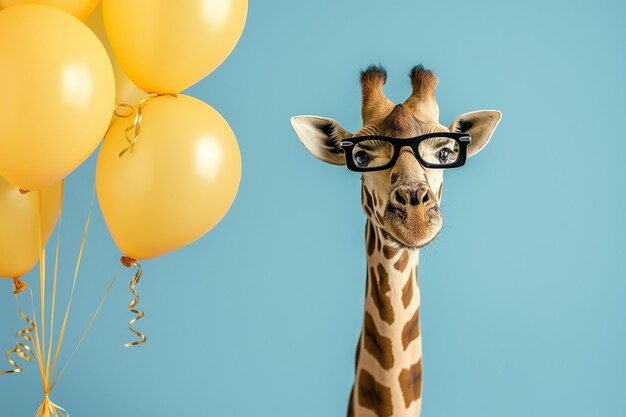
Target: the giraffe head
pixel 403 200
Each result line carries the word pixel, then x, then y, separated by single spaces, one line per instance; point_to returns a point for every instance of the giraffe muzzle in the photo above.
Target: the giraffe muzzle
pixel 412 215
pixel 405 197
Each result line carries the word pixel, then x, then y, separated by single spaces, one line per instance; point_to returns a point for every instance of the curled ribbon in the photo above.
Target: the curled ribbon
pixel 135 127
pixel 49 409
pixel 131 262
pixel 21 349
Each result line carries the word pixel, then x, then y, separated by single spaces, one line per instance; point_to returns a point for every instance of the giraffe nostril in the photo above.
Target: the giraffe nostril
pixel 412 196
pixel 398 197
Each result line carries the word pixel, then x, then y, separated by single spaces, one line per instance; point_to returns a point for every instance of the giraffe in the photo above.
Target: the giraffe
pixel 401 204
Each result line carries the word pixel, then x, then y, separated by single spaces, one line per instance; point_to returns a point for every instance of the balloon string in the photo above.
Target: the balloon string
pixel 42 295
pixel 128 262
pixel 21 349
pixel 131 133
pixel 54 279
pixel 50 409
pixel 82 337
pixel 79 258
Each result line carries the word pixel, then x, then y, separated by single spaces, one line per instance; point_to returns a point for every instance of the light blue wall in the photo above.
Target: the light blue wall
pixel 522 295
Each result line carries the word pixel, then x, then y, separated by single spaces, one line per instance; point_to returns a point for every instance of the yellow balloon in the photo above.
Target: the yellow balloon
pixel 125 91
pixel 19 226
pixel 57 94
pixel 178 181
pixel 79 8
pixel 166 46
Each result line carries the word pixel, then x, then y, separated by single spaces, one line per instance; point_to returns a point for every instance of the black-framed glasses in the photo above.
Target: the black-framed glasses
pixel 439 150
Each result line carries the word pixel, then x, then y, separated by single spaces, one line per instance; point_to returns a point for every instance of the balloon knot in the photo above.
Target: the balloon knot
pixel 127 261
pixel 18 286
pixel 123 110
pixel 23 191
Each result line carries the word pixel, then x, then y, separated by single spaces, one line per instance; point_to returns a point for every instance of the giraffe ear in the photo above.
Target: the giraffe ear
pixel 321 136
pixel 480 125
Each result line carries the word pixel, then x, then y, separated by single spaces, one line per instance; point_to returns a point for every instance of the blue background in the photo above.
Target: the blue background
pixel 522 295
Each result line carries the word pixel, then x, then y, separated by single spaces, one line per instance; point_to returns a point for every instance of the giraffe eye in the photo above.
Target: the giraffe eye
pixel 362 158
pixel 444 155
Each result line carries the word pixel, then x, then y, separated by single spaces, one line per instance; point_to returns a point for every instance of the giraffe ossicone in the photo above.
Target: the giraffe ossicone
pixel 401 204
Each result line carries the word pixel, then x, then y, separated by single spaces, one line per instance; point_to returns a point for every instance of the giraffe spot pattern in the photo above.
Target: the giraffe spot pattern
pixel 366 208
pixel 379 291
pixel 376 344
pixel 411 383
pixel 411 329
pixel 390 251
pixel 407 291
pixel 374 395
pixel 368 204
pixel 378 217
pixel 350 405
pixel 401 264
pixel 358 351
pixel 371 238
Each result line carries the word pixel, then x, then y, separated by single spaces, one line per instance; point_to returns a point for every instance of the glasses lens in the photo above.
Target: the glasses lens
pixel 372 153
pixel 440 151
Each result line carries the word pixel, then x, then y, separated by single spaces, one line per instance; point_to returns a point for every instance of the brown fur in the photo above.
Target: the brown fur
pixel 411 383
pixel 423 82
pixel 379 289
pixel 370 238
pixel 366 201
pixel 374 395
pixel 377 345
pixel 351 403
pixel 400 123
pixel 402 262
pixel 390 251
pixel 375 104
pixel 422 100
pixel 411 330
pixel 407 291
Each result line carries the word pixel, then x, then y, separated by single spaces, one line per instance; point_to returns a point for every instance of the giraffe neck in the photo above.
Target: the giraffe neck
pixel 388 378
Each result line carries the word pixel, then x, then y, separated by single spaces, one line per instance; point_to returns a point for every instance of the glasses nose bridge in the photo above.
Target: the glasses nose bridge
pixel 410 163
pixel 412 149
